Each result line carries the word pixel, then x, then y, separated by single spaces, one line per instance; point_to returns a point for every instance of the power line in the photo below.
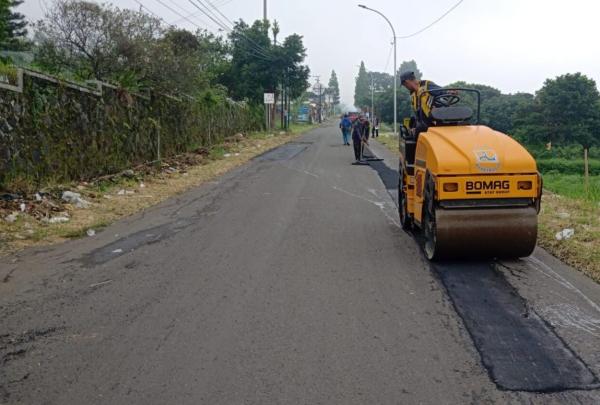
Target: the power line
pixel 432 24
pixel 219 11
pixel 206 11
pixel 172 25
pixel 179 14
pixel 254 49
pixel 189 14
pixel 153 13
pixel 209 14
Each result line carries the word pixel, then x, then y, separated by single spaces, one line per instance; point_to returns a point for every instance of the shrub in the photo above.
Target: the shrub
pixel 567 166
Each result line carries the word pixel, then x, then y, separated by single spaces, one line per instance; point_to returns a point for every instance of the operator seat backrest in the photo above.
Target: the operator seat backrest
pixel 451 115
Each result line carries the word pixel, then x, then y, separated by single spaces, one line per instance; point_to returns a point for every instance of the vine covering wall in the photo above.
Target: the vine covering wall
pixel 60 131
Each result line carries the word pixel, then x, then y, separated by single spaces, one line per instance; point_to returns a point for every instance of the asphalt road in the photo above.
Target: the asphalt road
pixel 288 281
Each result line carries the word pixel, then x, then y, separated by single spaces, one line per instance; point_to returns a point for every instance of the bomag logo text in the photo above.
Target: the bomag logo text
pixel 488 185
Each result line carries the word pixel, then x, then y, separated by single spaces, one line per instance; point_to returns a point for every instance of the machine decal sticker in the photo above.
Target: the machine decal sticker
pixel 487 160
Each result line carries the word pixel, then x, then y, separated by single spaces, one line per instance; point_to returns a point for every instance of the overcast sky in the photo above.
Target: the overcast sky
pixel 513 45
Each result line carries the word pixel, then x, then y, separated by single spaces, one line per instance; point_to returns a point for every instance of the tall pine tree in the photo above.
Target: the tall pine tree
pixel 409 66
pixel 362 94
pixel 4 13
pixel 334 88
pixel 13 26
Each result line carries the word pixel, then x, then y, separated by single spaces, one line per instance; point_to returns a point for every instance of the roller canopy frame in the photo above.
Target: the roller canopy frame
pixel 459 89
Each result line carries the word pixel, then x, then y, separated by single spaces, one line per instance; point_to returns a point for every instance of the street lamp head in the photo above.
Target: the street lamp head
pixel 362 6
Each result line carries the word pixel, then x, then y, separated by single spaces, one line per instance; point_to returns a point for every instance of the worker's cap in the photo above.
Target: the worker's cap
pixel 407 76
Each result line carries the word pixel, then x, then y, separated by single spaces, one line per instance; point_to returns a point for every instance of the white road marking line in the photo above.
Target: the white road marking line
pixel 539 265
pixel 380 204
pixel 301 171
pixel 570 316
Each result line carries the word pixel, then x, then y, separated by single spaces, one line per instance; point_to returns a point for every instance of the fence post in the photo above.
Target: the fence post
pixel 587 171
pixel 157 145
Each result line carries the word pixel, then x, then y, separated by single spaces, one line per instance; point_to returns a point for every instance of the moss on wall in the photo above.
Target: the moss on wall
pixel 53 131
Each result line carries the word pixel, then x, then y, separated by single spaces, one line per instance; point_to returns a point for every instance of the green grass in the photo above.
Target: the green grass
pixel 388 140
pixel 81 232
pixel 8 72
pixel 297 127
pixel 573 186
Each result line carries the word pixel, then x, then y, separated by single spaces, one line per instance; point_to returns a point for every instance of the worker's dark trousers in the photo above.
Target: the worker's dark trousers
pixel 357 147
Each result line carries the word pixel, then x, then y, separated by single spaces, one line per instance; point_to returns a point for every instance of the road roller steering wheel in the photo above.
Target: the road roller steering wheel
pixel 445 100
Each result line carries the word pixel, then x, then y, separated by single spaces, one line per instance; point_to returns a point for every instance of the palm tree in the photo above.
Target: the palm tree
pixel 275 30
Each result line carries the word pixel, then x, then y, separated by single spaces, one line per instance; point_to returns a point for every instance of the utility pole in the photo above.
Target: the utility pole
pixel 282 96
pixel 288 103
pixel 265 10
pixel 319 88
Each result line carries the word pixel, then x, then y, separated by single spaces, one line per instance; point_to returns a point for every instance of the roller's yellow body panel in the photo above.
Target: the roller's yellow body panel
pixel 479 162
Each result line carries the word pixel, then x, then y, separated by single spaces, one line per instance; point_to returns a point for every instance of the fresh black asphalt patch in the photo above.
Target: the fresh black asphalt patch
pixel 520 351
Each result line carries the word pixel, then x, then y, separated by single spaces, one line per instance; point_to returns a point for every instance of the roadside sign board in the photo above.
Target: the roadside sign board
pixel 269 98
pixel 303 114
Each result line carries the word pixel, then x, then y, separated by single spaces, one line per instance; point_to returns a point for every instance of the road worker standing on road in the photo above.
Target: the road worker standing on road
pixel 360 131
pixel 346 127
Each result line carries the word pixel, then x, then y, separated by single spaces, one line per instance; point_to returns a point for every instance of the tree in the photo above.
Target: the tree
pixel 85 40
pixel 362 92
pixel 13 26
pixel 275 30
pixel 565 111
pixel 569 109
pixel 334 88
pixel 409 66
pixel 257 65
pixel 297 74
pixel 197 60
pixel 4 14
pixel 486 92
pixel 501 112
pixel 382 81
pixel 96 41
pixel 384 92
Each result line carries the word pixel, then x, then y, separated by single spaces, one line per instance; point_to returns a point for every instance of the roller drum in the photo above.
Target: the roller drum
pixel 486 233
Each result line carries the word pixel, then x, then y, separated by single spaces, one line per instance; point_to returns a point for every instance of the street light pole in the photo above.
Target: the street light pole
pixel 372 99
pixel 395 62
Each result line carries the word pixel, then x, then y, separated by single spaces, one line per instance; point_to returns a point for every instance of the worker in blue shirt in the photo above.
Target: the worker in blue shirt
pixel 346 127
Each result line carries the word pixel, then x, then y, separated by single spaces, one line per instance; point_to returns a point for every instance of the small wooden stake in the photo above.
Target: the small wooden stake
pixel 587 171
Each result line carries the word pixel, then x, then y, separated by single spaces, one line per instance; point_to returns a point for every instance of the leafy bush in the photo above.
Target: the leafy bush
pixel 567 166
pixel 566 152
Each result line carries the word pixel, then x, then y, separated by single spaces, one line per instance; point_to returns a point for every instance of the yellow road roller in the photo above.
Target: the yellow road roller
pixel 473 192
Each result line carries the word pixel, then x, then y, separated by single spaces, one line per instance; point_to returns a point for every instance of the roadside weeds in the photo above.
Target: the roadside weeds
pixel 582 250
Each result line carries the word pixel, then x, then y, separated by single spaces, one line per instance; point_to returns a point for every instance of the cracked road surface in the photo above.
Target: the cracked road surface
pixel 288 281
